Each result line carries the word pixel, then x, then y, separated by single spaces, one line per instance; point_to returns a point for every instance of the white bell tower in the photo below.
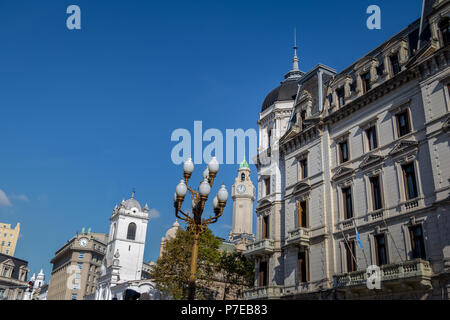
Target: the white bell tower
pixel 126 242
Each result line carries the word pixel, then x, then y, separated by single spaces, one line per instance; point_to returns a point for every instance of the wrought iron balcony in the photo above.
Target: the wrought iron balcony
pixel 260 248
pixel 299 237
pixel 264 293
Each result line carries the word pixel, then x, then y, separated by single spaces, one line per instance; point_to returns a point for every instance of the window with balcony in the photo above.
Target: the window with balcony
pixel 403 125
pixel 409 177
pixel 263 274
pixel 344 154
pixel 366 82
pixel 265 227
pixel 395 64
pixel 417 242
pixel 302 169
pixel 371 137
pixel 341 97
pixel 348 203
pixel 381 250
pixel 377 200
pixel 351 256
pixel 303 267
pixel 302 214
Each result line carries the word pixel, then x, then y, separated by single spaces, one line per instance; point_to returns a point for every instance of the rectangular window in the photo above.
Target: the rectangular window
pixel 417 242
pixel 302 214
pixel 76 286
pixel 403 125
pixel 9 244
pixel 303 169
pixel 409 177
pixel 395 64
pixel 81 256
pixel 80 265
pixel 302 267
pixel 263 274
pixel 371 135
pixel 366 82
pixel 267 186
pixel 344 154
pixel 5 272
pixel 74 296
pixel 381 249
pixel 351 256
pixel 348 203
pixel 265 227
pixel 269 138
pixel 7 251
pixel 377 200
pixel 341 97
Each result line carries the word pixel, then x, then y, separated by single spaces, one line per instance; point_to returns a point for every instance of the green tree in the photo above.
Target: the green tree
pixel 237 271
pixel 171 272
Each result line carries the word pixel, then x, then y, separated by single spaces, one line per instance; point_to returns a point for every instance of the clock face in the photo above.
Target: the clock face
pixel 84 242
pixel 240 189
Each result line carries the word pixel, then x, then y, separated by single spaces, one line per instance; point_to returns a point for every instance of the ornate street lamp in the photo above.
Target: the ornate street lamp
pixel 196 225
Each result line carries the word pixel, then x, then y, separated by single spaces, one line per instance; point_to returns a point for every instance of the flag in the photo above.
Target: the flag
pixel 360 244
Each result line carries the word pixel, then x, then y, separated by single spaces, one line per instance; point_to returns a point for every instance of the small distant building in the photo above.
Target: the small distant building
pixel 13 277
pixel 75 266
pixel 8 238
pixel 38 283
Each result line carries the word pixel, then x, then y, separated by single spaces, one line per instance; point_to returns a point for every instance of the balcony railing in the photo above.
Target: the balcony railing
pixel 299 237
pixel 264 293
pixel 409 270
pixel 263 247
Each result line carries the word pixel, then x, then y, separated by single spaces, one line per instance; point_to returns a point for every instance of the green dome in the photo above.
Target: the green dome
pixel 244 164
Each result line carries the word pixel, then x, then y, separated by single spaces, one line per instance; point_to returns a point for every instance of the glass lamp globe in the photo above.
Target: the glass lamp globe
pixel 222 195
pixel 188 166
pixel 213 166
pixel 204 188
pixel 181 189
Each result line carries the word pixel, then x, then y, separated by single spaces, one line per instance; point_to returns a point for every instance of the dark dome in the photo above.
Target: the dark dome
pixel 285 92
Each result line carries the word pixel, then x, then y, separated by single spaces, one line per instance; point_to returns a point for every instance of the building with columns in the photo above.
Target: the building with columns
pixel 353 173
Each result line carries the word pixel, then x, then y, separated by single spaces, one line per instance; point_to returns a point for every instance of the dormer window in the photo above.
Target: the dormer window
pixel 366 82
pixel 341 97
pixel 395 64
pixel 444 26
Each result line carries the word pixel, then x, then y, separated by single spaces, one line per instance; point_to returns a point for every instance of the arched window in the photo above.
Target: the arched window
pixel 131 234
pixel 243 177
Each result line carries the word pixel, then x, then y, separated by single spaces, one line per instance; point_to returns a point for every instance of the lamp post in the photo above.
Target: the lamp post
pixel 196 225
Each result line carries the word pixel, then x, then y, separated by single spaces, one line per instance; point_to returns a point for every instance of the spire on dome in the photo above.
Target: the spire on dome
pixel 244 164
pixel 295 72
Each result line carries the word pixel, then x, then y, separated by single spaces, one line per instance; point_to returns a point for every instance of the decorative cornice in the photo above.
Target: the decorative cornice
pixel 403 147
pixel 342 172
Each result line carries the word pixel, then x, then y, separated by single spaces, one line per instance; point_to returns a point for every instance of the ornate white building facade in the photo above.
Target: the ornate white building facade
pixel 123 264
pixel 361 152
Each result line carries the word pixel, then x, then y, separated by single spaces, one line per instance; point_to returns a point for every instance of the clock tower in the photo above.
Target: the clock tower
pixel 243 194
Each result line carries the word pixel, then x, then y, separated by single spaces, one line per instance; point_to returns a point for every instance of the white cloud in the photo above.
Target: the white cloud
pixel 153 214
pixel 20 197
pixel 4 201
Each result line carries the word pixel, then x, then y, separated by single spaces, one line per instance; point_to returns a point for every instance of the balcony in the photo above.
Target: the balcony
pixel 264 293
pixel 299 237
pixel 408 275
pixel 260 248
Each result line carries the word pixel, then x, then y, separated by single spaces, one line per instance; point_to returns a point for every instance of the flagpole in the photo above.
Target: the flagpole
pixel 421 24
pixel 361 246
pixel 393 241
pixel 348 246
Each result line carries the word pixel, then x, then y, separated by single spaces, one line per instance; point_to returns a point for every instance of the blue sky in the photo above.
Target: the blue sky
pixel 87 115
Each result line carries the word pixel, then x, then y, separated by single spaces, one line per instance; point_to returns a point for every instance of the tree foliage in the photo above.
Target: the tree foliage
pixel 171 272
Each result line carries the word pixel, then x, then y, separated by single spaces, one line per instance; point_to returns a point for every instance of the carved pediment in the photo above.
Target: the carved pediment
pixel 371 160
pixel 342 172
pixel 265 204
pixel 403 146
pixel 301 187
